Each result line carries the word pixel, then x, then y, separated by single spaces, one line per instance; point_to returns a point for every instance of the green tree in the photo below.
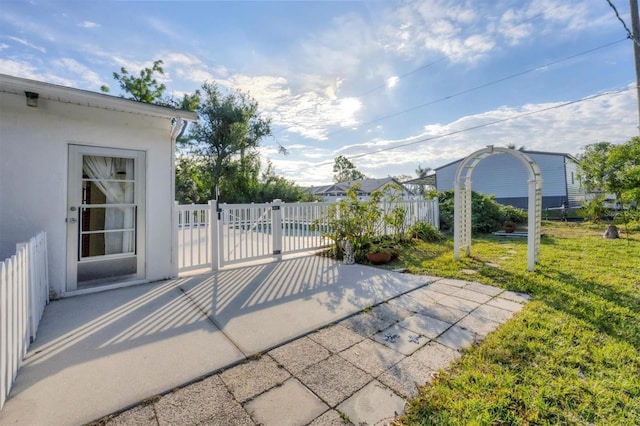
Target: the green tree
pixel 227 134
pixel 422 172
pixel 345 170
pixel 144 87
pixel 605 167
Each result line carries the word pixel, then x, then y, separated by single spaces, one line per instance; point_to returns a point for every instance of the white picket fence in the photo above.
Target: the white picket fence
pixel 238 233
pixel 24 293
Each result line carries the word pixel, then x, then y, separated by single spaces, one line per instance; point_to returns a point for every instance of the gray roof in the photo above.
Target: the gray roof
pixel 367 186
pixel 524 151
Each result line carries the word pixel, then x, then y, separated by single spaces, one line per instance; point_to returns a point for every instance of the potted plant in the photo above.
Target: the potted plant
pixel 509 226
pixel 378 254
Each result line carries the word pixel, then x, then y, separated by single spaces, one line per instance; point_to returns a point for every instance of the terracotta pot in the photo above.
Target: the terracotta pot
pixel 379 258
pixel 509 228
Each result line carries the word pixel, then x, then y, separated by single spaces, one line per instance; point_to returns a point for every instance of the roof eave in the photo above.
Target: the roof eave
pixel 70 95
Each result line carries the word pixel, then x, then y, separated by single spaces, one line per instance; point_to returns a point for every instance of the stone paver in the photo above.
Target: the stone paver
pixel 505 304
pixel 401 339
pixel 489 290
pixel 390 313
pixel 474 296
pixel 426 296
pixel 458 303
pixel 336 338
pixel 407 302
pixel 330 418
pixel 375 404
pixel 443 288
pixel 457 338
pixel 492 313
pixel 291 404
pixel 444 313
pixel 253 377
pixel 142 415
pixel 420 368
pixel 205 402
pixel 299 354
pixel 478 325
pixel 427 326
pixel 515 296
pixel 371 357
pixel 334 379
pixel 453 282
pixel 365 324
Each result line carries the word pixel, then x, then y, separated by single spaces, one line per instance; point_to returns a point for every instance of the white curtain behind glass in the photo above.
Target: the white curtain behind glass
pixel 107 171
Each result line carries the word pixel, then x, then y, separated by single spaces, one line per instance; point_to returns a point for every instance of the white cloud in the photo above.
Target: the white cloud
pixel 89 24
pixel 28 44
pixel 309 113
pixel 4 46
pixel 80 71
pixel 565 129
pixel 392 81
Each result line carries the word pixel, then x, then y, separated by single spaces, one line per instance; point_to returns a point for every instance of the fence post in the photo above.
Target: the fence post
pixel 214 242
pixel 276 227
pixel 175 262
pixel 436 212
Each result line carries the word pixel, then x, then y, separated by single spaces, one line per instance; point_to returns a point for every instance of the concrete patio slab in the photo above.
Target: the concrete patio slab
pixel 248 303
pixel 375 404
pixel 288 405
pixel 98 353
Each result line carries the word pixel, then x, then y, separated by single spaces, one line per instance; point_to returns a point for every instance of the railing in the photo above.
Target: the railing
pixel 245 232
pixel 194 237
pixel 24 293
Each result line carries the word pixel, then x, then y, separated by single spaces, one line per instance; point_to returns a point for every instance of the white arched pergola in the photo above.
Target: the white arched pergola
pixel 462 202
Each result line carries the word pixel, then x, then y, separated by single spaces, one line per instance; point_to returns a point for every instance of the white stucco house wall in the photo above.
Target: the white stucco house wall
pixel 506 178
pixel 96 172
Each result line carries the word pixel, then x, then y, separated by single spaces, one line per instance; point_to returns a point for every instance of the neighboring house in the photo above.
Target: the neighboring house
pixel 338 190
pixel 506 178
pixel 96 172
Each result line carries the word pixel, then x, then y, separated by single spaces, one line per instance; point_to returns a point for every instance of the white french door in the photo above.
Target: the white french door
pixel 105 216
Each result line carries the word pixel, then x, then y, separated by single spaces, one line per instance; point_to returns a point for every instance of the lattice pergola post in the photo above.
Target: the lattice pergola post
pixel 463 205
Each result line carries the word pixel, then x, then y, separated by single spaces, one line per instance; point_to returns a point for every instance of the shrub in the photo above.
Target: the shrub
pixel 354 220
pixel 487 215
pixel 593 210
pixel 425 232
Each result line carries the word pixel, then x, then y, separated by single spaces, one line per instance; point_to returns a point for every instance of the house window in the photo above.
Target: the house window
pixel 572 179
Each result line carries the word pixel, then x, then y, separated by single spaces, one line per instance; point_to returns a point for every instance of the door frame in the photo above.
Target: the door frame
pixel 74 195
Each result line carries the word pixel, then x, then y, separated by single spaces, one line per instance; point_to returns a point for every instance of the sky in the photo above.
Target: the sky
pixel 391 85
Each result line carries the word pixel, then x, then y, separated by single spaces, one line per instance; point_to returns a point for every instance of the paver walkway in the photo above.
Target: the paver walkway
pixel 361 369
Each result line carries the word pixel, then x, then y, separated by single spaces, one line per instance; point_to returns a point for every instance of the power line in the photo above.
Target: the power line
pixel 481 86
pixel 624 24
pixel 480 126
pixel 428 65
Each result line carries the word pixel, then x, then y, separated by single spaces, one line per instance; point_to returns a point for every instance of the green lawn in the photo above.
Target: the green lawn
pixel 572 356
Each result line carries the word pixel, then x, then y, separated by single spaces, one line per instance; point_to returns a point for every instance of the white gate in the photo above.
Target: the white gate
pixel 210 237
